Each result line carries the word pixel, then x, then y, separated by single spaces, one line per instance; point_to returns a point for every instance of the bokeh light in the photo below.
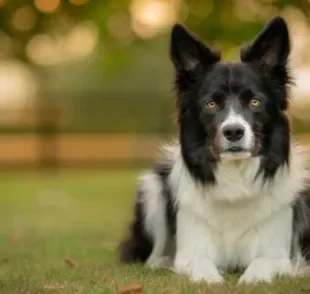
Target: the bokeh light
pixel 24 18
pixel 17 85
pixel 47 6
pixel 119 26
pixel 78 2
pixel 83 39
pixel 2 2
pixel 6 45
pixel 149 17
pixel 40 49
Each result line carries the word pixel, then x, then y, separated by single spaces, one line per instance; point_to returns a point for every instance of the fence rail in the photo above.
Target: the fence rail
pixel 75 149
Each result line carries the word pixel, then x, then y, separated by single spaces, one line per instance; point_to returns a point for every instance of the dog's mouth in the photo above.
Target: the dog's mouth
pixel 235 153
pixel 235 149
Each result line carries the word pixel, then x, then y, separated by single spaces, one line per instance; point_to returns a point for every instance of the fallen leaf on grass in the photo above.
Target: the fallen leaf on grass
pixel 17 236
pixel 53 287
pixel 134 288
pixel 71 262
pixel 108 280
pixel 4 260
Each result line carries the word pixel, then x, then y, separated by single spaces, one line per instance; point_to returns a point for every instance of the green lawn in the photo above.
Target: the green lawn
pixel 46 218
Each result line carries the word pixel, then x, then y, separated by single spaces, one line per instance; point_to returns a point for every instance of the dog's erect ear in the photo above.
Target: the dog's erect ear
pixel 271 47
pixel 187 51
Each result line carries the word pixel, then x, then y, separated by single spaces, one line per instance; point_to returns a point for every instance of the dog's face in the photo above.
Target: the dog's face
pixel 232 108
pixel 233 111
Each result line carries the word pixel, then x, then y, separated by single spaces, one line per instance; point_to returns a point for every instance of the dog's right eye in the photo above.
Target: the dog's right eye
pixel 255 102
pixel 210 105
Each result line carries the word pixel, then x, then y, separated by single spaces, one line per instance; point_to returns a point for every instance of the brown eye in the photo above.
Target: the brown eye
pixel 211 105
pixel 255 102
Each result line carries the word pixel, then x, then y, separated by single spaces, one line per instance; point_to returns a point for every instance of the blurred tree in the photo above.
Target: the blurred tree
pixel 125 85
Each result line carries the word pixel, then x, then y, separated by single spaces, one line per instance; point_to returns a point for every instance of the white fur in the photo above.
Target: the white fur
pixel 237 222
pixel 155 220
pixel 234 118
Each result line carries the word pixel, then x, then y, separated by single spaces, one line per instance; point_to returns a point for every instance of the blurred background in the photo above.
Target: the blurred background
pixel 86 96
pixel 89 82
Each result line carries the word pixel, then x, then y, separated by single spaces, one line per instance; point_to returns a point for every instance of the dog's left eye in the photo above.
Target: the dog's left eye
pixel 255 102
pixel 210 105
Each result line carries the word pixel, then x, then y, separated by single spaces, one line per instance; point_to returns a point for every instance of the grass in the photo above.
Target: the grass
pixel 46 218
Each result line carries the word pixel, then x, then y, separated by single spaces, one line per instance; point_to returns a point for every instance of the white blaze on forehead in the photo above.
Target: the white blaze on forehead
pixel 234 118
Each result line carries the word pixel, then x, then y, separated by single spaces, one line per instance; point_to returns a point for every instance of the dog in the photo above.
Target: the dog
pixel 232 192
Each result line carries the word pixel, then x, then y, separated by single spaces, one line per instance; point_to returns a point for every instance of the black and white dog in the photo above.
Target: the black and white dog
pixel 232 192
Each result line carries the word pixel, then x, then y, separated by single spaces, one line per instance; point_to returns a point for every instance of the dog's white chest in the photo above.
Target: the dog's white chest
pixel 238 215
pixel 240 233
pixel 235 182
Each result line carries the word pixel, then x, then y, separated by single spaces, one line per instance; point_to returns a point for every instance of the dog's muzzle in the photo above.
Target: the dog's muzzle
pixel 235 140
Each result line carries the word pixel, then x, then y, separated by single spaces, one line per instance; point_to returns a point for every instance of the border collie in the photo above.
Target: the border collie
pixel 231 193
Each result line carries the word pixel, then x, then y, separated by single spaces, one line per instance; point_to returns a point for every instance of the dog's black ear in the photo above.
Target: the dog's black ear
pixel 187 51
pixel 271 47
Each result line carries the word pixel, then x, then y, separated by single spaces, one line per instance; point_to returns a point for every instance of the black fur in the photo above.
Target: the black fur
pixel 301 223
pixel 138 245
pixel 200 77
pixel 269 54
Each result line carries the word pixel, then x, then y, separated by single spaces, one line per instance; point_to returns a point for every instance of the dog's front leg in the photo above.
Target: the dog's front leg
pixel 195 250
pixel 272 244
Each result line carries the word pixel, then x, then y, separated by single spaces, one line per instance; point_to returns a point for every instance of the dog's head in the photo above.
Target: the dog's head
pixel 233 111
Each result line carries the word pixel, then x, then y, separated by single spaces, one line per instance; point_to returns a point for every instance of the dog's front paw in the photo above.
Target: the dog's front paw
pixel 252 276
pixel 203 270
pixel 265 270
pixel 160 262
pixel 207 276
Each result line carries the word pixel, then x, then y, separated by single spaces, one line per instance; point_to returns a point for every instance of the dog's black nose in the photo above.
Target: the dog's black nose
pixel 233 132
